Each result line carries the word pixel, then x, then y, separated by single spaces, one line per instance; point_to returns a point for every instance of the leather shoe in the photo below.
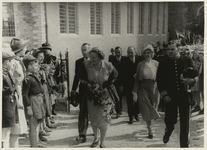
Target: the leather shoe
pixel 150 136
pixel 117 116
pixel 137 118
pixel 81 139
pixel 166 138
pixel 52 126
pixel 130 122
pixel 95 143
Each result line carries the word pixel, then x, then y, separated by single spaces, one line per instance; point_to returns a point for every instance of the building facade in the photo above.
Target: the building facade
pixel 68 25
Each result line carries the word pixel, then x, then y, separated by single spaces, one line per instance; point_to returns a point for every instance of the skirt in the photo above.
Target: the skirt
pixel 147 99
pixel 100 115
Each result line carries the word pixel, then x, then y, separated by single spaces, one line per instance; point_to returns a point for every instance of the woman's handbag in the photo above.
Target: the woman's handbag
pixel 74 99
pixel 113 93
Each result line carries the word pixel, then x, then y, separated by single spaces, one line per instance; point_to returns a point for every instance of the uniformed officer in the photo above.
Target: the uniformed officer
pixel 173 90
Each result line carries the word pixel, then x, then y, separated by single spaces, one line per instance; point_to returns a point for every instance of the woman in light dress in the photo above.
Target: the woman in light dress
pixel 145 88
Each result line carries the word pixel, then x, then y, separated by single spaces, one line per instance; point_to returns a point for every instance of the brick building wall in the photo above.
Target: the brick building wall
pixel 29 23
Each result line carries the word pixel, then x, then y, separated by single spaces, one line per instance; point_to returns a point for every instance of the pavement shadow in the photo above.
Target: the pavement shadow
pixel 157 145
pixel 72 125
pixel 125 137
pixel 119 123
pixel 70 140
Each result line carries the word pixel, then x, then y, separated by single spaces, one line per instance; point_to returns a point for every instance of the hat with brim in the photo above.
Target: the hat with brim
pixel 26 60
pixel 36 52
pixel 6 54
pixel 46 46
pixel 18 45
pixel 148 47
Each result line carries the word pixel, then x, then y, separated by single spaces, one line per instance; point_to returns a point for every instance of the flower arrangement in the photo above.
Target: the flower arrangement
pixel 96 94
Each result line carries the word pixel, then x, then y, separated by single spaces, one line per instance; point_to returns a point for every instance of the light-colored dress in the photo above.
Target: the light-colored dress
pixel 145 86
pixel 97 115
pixel 197 66
pixel 18 74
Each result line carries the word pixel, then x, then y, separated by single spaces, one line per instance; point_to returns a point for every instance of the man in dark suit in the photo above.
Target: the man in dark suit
pixel 173 89
pixel 119 61
pixel 83 114
pixel 131 65
pixel 112 55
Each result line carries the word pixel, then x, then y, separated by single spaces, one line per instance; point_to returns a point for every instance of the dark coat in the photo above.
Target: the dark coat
pixel 120 67
pixel 9 104
pixel 130 71
pixel 78 66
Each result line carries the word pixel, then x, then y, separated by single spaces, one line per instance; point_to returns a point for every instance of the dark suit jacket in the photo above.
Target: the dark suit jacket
pixel 120 67
pixel 130 71
pixel 9 106
pixel 78 66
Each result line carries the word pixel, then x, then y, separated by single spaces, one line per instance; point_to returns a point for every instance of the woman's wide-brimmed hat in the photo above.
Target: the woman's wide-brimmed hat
pixel 18 44
pixel 148 47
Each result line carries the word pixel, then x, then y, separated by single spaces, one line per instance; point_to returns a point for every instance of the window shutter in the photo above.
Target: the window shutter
pixel 8 23
pixel 130 18
pixel 115 18
pixel 62 11
pixel 68 17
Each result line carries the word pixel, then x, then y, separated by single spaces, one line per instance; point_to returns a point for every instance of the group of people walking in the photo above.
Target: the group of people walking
pixel 144 80
pixel 31 84
pixel 30 87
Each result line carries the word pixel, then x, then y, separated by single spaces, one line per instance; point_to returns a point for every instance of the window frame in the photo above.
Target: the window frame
pixel 67 20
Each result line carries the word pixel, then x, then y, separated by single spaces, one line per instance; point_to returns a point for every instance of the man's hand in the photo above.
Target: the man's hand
pixel 29 111
pixel 167 99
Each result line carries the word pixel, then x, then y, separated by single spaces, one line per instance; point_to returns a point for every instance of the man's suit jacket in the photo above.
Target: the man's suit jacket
pixel 78 66
pixel 130 71
pixel 120 67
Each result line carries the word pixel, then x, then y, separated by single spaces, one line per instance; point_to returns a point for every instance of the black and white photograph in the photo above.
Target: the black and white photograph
pixel 102 74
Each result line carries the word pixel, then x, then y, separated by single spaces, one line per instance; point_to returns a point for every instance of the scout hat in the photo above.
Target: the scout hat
pixel 7 54
pixel 46 45
pixel 18 45
pixel 26 60
pixel 36 52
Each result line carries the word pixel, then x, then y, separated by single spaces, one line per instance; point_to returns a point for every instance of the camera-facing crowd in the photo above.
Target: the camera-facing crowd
pixel 167 77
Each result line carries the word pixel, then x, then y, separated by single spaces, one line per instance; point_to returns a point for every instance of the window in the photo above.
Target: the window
pixel 115 18
pixel 68 17
pixel 8 24
pixel 158 17
pixel 150 10
pixel 130 18
pixel 96 18
pixel 141 18
pixel 163 25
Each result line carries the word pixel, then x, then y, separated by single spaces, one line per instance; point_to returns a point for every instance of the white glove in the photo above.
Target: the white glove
pixel 134 96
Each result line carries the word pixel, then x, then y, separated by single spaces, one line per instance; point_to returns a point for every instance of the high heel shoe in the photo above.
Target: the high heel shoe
pixel 95 143
pixel 102 146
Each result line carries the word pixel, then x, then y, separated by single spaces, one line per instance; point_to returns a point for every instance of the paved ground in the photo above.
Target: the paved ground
pixel 120 134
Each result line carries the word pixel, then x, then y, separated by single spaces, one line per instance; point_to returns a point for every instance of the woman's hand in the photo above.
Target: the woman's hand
pixel 135 97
